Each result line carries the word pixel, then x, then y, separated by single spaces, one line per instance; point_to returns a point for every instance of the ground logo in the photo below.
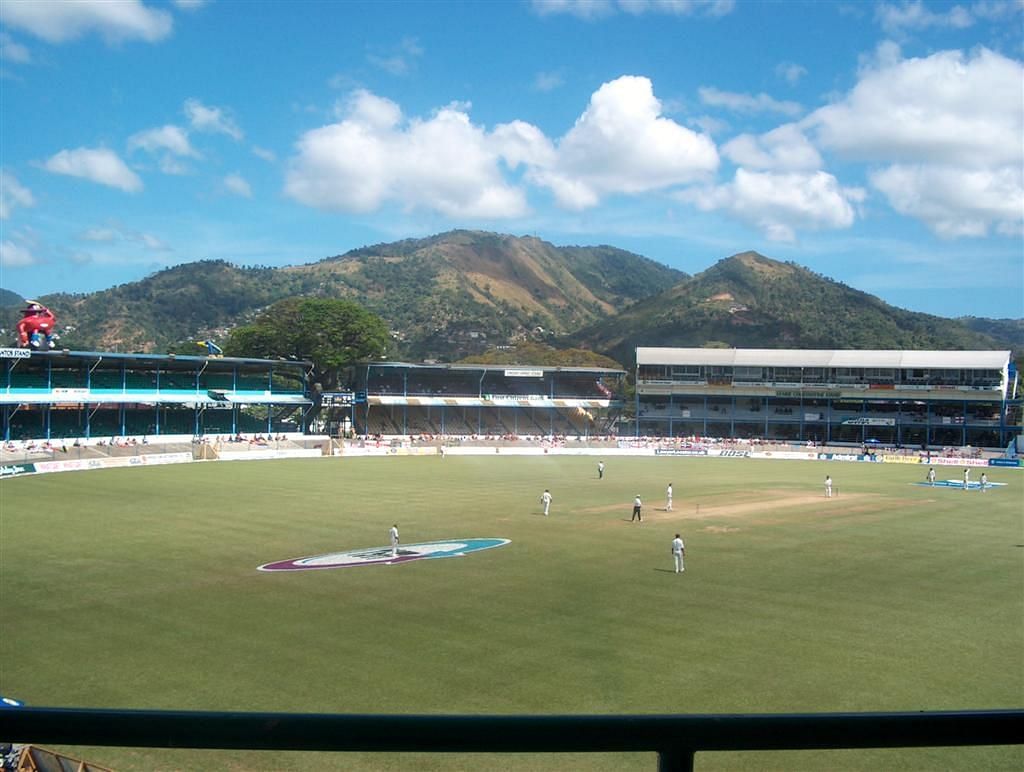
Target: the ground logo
pixel 377 556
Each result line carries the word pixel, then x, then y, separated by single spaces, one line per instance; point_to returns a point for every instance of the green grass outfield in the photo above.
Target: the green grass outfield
pixel 138 588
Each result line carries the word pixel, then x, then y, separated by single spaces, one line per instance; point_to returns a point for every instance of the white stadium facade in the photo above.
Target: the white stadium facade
pixel 895 397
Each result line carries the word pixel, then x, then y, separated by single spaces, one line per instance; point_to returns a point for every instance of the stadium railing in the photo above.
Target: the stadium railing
pixel 674 738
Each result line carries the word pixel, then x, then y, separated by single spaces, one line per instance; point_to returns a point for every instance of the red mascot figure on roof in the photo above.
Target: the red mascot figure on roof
pixel 36 328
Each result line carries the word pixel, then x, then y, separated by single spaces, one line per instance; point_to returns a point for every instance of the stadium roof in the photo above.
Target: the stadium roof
pixel 496 368
pixel 761 357
pixel 183 361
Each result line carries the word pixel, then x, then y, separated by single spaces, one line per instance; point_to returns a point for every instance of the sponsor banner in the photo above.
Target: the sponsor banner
pixel 15 470
pixel 954 461
pixel 865 421
pixel 145 459
pixel 891 459
pixel 387 556
pixel 522 373
pixel 489 400
pixel 15 353
pixel 1012 462
pixel 680 452
pixel 262 455
pixel 807 393
pixel 69 392
pixel 840 457
pixel 730 453
pixel 785 454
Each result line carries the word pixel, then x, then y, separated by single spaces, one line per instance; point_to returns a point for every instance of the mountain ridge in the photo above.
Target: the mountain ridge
pixel 462 293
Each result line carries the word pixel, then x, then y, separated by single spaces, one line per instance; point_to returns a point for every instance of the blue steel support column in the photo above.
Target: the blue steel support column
pixel 671 404
pixel 636 399
pixel 705 432
pixel 963 425
pixel 732 419
pixel 828 420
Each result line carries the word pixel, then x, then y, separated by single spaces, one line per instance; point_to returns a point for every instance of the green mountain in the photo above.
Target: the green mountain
pixel 751 301
pixel 1008 333
pixel 466 293
pixel 9 299
pixel 445 297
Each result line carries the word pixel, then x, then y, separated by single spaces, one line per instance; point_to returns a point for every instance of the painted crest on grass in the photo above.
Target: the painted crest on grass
pixel 377 556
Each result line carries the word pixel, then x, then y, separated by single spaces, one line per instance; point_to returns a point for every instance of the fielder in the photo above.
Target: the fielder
pixel 931 476
pixel 967 478
pixel 828 487
pixel 545 499
pixel 668 498
pixel 393 535
pixel 678 551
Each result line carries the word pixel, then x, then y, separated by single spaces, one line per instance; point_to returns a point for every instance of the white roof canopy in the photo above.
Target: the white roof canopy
pixel 773 357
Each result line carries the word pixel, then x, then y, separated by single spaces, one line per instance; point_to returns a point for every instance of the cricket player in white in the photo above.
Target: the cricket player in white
pixel 931 476
pixel 678 550
pixel 967 479
pixel 393 534
pixel 668 497
pixel 984 482
pixel 828 487
pixel 545 499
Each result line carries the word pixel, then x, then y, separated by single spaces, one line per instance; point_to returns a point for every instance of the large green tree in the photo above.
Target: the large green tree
pixel 332 334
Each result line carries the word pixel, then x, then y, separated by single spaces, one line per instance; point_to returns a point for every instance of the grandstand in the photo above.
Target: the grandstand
pixel 898 398
pixel 59 395
pixel 395 398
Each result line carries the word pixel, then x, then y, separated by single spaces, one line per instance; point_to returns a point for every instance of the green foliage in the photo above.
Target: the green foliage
pixel 532 353
pixel 750 301
pixel 332 334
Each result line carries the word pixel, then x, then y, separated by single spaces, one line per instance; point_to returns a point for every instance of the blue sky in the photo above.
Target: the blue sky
pixel 879 144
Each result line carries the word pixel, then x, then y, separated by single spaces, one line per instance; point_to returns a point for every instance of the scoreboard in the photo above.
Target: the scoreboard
pixel 337 399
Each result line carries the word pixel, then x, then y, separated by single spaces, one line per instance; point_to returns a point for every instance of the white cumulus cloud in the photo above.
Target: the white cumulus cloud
pixel 173 139
pixel 778 203
pixel 215 120
pixel 13 194
pixel 598 9
pixel 623 144
pixel 15 255
pixel 954 201
pixel 97 165
pixel 13 51
pixel 374 156
pixel 236 184
pixel 784 148
pixel 747 103
pixel 58 21
pixel 940 128
pixel 895 19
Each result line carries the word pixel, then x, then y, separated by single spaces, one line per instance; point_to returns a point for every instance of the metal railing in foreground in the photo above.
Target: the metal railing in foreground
pixel 675 738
